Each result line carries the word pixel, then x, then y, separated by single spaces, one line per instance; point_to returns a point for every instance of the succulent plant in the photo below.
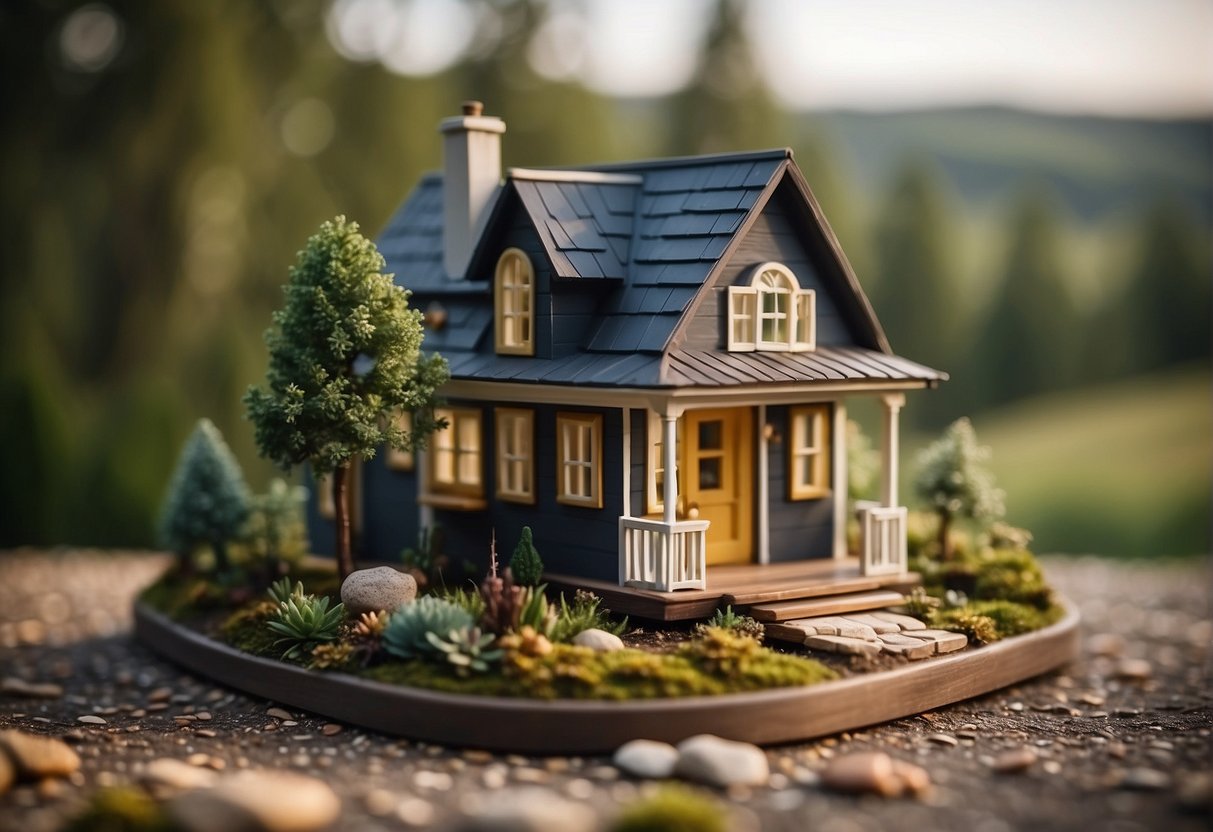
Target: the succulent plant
pixel 509 607
pixel 305 621
pixel 405 633
pixel 332 655
pixel 465 649
pixel 370 625
pixel 280 590
pixel 736 623
pixel 526 642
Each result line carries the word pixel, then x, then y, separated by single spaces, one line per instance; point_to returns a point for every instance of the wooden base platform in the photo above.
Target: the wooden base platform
pixel 738 585
pixel 581 727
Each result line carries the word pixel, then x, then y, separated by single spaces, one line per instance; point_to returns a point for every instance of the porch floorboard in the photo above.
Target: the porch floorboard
pixel 741 585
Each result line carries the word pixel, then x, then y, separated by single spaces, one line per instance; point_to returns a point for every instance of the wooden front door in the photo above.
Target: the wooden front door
pixel 716 480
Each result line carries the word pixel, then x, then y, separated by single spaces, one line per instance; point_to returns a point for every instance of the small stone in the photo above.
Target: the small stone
pixel 12 686
pixel 526 810
pixel 8 773
pixel 413 811
pixel 1146 780
pixel 332 729
pixel 160 695
pixel 165 774
pixel 379 802
pixel 842 644
pixel 1195 791
pixel 646 758
pixel 709 759
pixel 1015 760
pixel 37 757
pixel 276 801
pixel 203 716
pixel 864 772
pixel 600 641
pixel 1135 670
pixel 90 719
pixel 1108 645
pixel 377 589
pixel 913 649
pixel 943 739
pixel 206 732
pixel 1095 700
pixel 50 789
pixel 279 713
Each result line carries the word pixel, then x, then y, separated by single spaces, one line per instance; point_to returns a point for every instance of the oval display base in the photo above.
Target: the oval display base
pixel 579 727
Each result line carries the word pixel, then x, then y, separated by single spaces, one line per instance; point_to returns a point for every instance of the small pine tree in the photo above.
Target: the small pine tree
pixel 525 565
pixel 954 480
pixel 277 531
pixel 207 503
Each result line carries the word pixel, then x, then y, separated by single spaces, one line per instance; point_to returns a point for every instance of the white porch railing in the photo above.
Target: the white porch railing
pixel 882 539
pixel 664 556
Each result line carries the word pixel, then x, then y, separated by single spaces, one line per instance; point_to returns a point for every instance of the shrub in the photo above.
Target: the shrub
pixel 953 479
pixel 980 629
pixel 673 809
pixel 722 652
pixel 1012 575
pixel 427 562
pixel 303 622
pixel 508 606
pixel 277 532
pixel 525 565
pixel 405 634
pixel 585 613
pixel 726 619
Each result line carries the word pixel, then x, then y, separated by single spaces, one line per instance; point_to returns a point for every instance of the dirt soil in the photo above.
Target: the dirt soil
pixel 1124 736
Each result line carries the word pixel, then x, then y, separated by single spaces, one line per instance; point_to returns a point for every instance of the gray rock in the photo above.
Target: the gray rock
pixel 646 758
pixel 600 641
pixel 265 801
pixel 377 589
pixel 525 810
pixel 709 759
pixel 38 757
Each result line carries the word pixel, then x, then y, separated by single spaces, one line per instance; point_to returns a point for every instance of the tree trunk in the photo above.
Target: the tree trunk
pixel 341 506
pixel 945 539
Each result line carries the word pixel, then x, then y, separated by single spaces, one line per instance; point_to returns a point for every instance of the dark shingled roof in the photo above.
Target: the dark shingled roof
pixel 655 230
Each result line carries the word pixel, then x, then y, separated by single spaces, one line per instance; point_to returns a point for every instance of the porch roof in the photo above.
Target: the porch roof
pixel 696 368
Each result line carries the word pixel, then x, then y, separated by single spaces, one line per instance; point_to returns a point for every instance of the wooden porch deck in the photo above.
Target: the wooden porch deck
pixel 740 585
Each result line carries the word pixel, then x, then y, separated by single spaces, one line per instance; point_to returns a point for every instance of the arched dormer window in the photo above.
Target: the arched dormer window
pixel 514 303
pixel 772 313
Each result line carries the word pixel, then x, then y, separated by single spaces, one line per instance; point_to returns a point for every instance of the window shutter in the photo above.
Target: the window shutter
pixel 804 331
pixel 742 319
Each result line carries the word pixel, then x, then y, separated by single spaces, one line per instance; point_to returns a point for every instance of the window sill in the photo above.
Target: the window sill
pixel 454 502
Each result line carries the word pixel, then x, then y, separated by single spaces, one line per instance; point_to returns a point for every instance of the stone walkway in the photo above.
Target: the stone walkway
pixel 868 634
pixel 1122 739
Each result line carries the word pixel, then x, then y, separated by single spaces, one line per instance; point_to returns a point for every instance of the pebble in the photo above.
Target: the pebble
pixel 1108 645
pixel 377 589
pixel 12 686
pixel 526 810
pixel 278 801
pixel 943 739
pixel 413 811
pixel 875 772
pixel 332 729
pixel 1145 779
pixel 709 759
pixel 160 695
pixel 1135 670
pixel 8 773
pixel 1015 760
pixel 166 774
pixel 90 719
pixel 38 757
pixel 600 641
pixel 279 713
pixel 380 802
pixel 646 758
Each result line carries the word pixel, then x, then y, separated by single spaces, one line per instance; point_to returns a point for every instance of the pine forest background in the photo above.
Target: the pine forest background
pixel 1057 266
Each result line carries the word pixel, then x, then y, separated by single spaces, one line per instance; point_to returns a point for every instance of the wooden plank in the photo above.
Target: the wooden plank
pixel 810 607
pixel 789 592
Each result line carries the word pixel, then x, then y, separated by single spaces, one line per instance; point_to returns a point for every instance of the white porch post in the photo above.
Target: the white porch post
pixel 627 461
pixel 893 402
pixel 764 501
pixel 669 452
pixel 841 501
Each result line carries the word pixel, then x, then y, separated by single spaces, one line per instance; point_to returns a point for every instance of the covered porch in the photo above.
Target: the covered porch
pixel 670 553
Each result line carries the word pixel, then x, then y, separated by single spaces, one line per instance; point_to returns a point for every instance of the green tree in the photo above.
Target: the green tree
pixel 207 503
pixel 1028 341
pixel 525 564
pixel 345 354
pixel 915 291
pixel 277 531
pixel 953 479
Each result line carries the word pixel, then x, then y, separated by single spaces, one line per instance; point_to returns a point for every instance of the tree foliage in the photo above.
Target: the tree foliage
pixel 207 501
pixel 345 354
pixel 954 481
pixel 525 563
pixel 277 531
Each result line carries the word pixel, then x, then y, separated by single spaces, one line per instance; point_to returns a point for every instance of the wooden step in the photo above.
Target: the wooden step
pixel 831 605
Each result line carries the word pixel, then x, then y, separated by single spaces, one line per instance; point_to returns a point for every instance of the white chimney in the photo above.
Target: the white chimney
pixel 471 175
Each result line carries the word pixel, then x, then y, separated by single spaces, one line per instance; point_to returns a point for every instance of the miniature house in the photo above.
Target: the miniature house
pixel 650 366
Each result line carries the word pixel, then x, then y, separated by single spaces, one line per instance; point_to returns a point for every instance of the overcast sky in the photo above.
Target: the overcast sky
pixel 1116 57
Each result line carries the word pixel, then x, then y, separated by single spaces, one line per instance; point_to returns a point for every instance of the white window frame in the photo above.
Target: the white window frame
pixel 809 438
pixel 514 303
pixel 579 459
pixel 748 315
pixel 463 441
pixel 515 454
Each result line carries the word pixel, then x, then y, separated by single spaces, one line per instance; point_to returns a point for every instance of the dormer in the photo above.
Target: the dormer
pixel 771 313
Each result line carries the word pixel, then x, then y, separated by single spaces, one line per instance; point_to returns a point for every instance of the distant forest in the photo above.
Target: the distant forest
pixel 152 205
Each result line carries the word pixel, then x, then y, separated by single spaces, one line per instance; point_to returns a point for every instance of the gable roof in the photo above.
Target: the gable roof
pixel 657 231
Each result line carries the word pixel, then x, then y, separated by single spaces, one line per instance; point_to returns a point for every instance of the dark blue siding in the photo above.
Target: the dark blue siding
pixel 799 529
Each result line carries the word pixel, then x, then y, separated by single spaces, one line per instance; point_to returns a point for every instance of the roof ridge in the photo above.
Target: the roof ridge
pixel 587 177
pixel 682 161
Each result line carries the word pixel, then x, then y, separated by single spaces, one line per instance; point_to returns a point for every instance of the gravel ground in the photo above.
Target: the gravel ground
pixel 1122 736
